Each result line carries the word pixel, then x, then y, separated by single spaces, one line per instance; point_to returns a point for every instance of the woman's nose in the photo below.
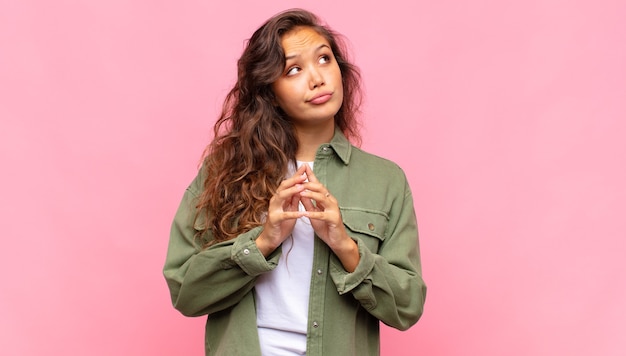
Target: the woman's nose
pixel 316 78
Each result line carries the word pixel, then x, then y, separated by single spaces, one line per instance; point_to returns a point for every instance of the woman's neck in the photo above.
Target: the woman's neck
pixel 310 139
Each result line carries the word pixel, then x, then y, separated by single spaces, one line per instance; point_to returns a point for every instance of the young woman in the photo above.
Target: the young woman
pixel 292 240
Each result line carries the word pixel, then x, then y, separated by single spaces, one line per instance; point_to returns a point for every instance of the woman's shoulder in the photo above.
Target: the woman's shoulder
pixel 197 184
pixel 376 169
pixel 373 161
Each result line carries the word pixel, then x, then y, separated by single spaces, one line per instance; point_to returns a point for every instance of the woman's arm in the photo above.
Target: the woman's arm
pixel 204 281
pixel 389 283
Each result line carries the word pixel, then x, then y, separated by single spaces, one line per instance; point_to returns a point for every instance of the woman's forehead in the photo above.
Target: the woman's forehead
pixel 302 39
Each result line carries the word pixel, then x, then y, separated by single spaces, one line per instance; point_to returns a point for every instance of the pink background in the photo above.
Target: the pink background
pixel 508 118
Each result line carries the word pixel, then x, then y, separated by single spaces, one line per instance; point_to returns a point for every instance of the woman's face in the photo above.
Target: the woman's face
pixel 309 90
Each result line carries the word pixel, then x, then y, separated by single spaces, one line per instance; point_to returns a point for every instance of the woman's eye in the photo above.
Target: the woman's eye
pixel 293 70
pixel 324 59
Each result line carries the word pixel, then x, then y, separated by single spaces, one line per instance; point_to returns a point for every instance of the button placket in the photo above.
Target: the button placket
pixel 321 256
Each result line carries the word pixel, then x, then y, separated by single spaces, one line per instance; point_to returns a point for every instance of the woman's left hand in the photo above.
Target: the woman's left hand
pixel 323 212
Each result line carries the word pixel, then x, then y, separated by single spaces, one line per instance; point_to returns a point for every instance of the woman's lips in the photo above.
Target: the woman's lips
pixel 321 98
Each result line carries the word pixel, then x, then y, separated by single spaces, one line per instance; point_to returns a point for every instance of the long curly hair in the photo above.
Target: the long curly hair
pixel 254 141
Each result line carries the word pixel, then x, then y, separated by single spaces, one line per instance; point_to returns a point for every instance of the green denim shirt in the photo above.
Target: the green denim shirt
pixel 344 308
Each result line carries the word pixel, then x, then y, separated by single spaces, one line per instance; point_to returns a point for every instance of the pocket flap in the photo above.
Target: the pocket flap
pixel 366 222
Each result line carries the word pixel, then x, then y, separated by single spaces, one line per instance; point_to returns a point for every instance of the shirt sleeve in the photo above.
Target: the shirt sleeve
pixel 204 281
pixel 389 283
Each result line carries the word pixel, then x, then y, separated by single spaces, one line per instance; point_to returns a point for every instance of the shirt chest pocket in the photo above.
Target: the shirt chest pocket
pixel 368 226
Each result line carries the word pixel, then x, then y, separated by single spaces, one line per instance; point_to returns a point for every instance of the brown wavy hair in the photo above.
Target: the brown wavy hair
pixel 254 141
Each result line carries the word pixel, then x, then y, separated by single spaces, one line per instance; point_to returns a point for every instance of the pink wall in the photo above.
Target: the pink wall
pixel 508 117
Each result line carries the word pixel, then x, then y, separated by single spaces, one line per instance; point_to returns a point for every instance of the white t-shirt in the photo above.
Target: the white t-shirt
pixel 282 295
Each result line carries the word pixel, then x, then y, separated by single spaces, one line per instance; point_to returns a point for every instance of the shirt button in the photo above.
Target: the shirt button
pixel 246 251
pixel 319 271
pixel 371 226
pixel 315 324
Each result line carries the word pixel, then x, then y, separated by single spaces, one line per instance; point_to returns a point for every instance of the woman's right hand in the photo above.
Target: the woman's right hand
pixel 282 213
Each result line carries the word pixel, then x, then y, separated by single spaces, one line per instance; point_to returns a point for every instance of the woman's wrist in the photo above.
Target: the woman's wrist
pixel 263 244
pixel 348 254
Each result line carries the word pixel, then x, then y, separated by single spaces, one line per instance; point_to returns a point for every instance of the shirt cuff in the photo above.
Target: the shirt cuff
pixel 346 281
pixel 247 255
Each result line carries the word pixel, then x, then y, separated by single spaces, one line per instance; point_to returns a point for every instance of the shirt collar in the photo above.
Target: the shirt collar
pixel 341 146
